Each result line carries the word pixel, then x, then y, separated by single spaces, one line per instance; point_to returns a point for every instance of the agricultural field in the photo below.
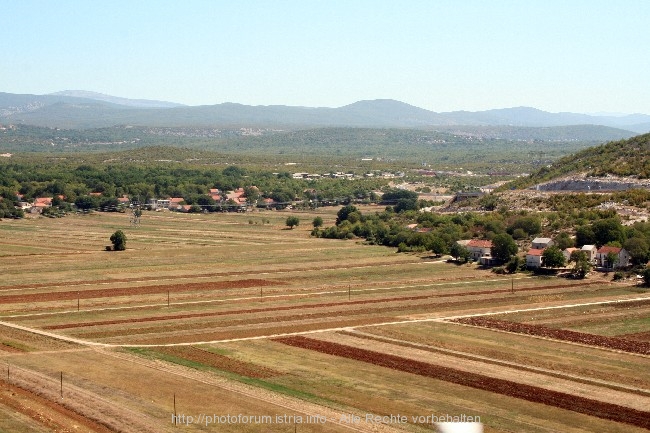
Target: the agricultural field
pixel 235 323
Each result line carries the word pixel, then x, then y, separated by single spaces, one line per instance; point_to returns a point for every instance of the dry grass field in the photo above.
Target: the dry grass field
pixel 235 323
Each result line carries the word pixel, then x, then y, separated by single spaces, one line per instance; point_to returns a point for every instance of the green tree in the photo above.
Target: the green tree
pixel 317 222
pixel 608 230
pixel 638 249
pixel 503 247
pixel 552 257
pixel 529 224
pixel 292 221
pixel 459 252
pixel 564 241
pixel 344 212
pixel 611 260
pixel 514 264
pixel 119 241
pixel 581 266
pixel 585 236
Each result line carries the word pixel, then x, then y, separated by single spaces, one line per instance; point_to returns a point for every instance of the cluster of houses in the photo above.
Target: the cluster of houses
pixel 480 251
pixel 341 175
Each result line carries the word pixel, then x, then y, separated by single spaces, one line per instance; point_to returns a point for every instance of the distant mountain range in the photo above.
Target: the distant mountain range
pixel 81 109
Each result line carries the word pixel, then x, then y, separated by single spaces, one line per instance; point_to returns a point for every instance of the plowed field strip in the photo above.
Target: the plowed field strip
pixel 220 362
pixel 616 343
pixel 142 290
pixel 303 306
pixel 466 355
pixel 530 393
pixel 37 407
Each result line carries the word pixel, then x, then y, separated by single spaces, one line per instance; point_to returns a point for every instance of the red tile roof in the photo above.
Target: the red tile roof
pixel 535 252
pixel 607 250
pixel 479 243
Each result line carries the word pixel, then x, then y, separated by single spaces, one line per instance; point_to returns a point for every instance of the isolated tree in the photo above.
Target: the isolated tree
pixel 119 241
pixel 503 247
pixel 292 221
pixel 552 257
pixel 317 222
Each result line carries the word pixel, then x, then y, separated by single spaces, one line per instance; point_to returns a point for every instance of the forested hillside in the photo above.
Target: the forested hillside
pixel 629 157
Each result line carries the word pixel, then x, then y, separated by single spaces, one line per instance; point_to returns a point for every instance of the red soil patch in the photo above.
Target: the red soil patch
pixel 24 401
pixel 639 336
pixel 220 362
pixel 130 291
pixel 616 343
pixel 299 307
pixel 534 394
pixel 4 347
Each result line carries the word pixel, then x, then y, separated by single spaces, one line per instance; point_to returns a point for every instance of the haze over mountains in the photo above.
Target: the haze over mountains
pixel 82 109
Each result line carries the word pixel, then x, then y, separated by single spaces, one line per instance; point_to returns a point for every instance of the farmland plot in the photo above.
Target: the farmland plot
pixel 235 314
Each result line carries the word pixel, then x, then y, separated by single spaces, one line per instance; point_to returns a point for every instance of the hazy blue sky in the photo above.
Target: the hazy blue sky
pixel 564 55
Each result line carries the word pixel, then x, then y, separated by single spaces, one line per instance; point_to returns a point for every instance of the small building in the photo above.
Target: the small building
pixel 534 258
pixel 175 202
pixel 541 243
pixel 590 250
pixel 567 253
pixel 622 257
pixel 479 248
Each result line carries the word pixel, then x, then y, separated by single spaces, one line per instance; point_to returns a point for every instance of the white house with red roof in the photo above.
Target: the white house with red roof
pixel 622 257
pixel 478 248
pixel 534 257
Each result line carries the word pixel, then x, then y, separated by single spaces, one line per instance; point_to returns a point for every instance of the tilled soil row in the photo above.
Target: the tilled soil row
pixel 530 393
pixel 616 343
pixel 220 362
pixel 48 413
pixel 303 306
pixel 128 291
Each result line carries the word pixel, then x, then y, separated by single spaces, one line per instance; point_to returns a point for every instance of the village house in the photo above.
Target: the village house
pixel 534 258
pixel 541 243
pixel 175 203
pixel 622 257
pixel 478 248
pixel 567 253
pixel 590 250
pixel 40 204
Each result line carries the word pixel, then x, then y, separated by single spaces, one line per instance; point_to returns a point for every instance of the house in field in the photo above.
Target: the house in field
pixel 622 257
pixel 541 243
pixel 479 248
pixel 590 250
pixel 534 258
